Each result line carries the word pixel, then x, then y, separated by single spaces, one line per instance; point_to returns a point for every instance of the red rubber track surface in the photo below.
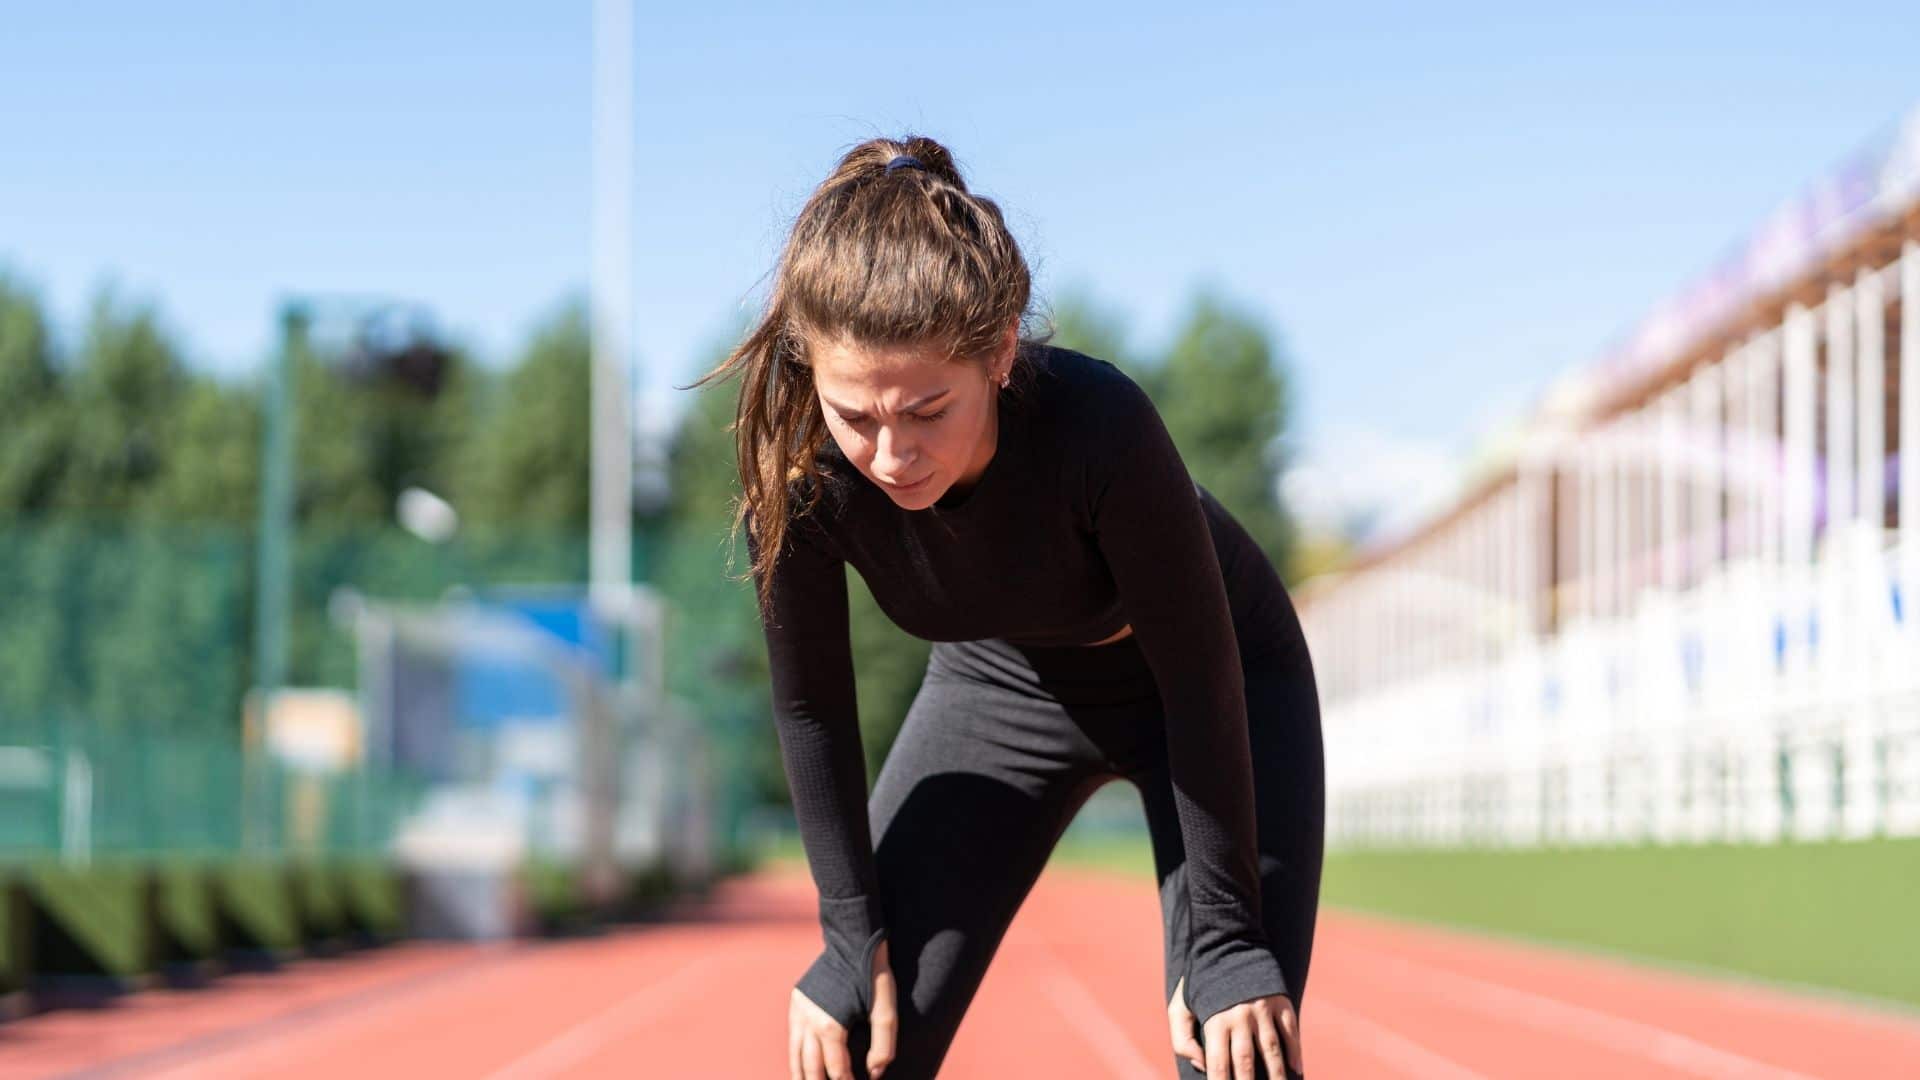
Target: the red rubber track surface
pixel 1073 992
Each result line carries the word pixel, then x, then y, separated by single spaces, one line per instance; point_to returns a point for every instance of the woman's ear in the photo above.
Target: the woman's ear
pixel 1003 363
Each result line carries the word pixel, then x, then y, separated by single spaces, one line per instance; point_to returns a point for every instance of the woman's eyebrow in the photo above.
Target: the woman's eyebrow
pixel 909 407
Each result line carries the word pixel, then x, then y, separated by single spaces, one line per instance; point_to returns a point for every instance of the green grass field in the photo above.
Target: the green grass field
pixel 1832 916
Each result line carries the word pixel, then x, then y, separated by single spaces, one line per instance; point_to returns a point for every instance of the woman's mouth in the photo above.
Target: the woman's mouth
pixel 915 486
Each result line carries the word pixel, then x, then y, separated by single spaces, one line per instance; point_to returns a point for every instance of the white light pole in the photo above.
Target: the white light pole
pixel 611 302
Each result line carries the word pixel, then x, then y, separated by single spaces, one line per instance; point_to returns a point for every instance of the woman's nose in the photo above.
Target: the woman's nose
pixel 893 454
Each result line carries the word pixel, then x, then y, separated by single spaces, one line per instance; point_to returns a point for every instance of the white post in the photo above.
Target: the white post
pixel 1867 722
pixel 1648 490
pixel 1760 810
pixel 1796 540
pixel 1797 551
pixel 1909 509
pixel 1903 815
pixel 1768 371
pixel 1840 446
pixel 1833 650
pixel 1735 405
pixel 1709 473
pixel 1605 531
pixel 1707 454
pixel 611 302
pixel 1586 474
pixel 1673 469
pixel 1871 346
pixel 1534 536
pixel 1625 510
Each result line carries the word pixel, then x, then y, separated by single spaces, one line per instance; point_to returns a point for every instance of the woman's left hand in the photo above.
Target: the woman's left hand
pixel 1264 1027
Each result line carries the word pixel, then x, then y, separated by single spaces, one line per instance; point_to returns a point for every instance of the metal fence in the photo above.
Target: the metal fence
pixel 78 791
pixel 1758 706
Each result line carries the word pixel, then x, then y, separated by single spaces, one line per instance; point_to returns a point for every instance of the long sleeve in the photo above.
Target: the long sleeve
pixel 1147 518
pixel 814 713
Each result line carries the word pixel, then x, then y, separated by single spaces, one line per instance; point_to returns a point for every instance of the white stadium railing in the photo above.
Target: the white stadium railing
pixel 1691 621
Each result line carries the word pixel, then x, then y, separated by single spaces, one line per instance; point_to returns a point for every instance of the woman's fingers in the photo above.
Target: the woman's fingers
pixel 1180 1025
pixel 1240 1040
pixel 1271 1051
pixel 1183 1040
pixel 1219 1048
pixel 882 1020
pixel 1290 1032
pixel 795 1033
pixel 884 1030
pixel 810 1064
pixel 834 1052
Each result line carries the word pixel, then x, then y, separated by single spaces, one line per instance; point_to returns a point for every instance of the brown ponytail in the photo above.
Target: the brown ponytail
pixel 880 257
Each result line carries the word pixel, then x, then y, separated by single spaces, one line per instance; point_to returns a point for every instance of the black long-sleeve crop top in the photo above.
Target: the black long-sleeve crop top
pixel 1084 521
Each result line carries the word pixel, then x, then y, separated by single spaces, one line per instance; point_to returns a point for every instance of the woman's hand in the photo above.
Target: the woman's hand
pixel 817 1044
pixel 1233 1034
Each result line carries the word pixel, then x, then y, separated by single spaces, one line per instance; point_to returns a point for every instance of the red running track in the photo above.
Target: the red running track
pixel 1073 992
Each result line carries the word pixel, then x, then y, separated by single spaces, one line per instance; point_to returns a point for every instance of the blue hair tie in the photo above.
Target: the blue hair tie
pixel 905 161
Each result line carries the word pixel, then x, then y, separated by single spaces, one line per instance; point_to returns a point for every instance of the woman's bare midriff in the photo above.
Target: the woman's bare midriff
pixel 1124 631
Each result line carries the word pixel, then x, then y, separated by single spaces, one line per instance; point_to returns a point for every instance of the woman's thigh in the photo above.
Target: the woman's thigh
pixel 975 791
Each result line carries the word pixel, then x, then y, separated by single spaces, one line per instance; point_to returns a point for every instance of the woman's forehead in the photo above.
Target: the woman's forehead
pixel 886 377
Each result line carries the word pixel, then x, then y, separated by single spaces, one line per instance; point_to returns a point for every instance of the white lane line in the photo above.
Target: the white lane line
pixel 1387 1045
pixel 192 1057
pixel 1658 1044
pixel 555 1056
pixel 1084 1015
pixel 1741 988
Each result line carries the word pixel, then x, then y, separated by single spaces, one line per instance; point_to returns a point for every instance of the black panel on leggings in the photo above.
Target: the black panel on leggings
pixel 1084 521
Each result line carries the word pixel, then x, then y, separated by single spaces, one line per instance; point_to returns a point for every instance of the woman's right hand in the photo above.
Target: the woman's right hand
pixel 817 1044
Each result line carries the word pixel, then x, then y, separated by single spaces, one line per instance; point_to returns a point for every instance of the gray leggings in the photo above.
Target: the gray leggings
pixel 1001 748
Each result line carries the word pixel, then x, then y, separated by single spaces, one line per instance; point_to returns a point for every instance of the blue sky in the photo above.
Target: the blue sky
pixel 1439 207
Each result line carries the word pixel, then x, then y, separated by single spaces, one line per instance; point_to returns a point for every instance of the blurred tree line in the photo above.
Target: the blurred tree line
pixel 129 495
pixel 129 502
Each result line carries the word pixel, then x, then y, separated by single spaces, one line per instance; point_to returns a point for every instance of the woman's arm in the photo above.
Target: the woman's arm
pixel 814 713
pixel 1148 522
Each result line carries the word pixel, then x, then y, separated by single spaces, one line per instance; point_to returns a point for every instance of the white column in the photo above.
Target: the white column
pixel 1529 539
pixel 1767 375
pixel 1871 498
pixel 1626 512
pixel 1797 579
pixel 1903 814
pixel 610 300
pixel 1565 558
pixel 1736 404
pixel 1910 433
pixel 1586 475
pixel 1671 532
pixel 1840 447
pixel 1758 808
pixel 1646 490
pixel 1708 450
pixel 1797 421
pixel 1605 529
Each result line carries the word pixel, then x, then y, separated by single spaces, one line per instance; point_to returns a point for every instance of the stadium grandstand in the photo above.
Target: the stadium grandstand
pixel 1676 604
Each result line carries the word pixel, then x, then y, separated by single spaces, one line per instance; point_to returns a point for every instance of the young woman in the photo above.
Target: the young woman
pixel 1095 615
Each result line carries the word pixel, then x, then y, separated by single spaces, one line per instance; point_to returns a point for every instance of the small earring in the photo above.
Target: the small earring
pixel 1005 377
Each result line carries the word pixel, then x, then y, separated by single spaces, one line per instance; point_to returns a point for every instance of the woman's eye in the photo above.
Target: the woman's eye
pixel 930 419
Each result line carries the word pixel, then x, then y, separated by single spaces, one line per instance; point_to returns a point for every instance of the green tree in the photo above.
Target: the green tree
pixel 127 386
pixel 1222 394
pixel 32 405
pixel 534 464
pixel 213 458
